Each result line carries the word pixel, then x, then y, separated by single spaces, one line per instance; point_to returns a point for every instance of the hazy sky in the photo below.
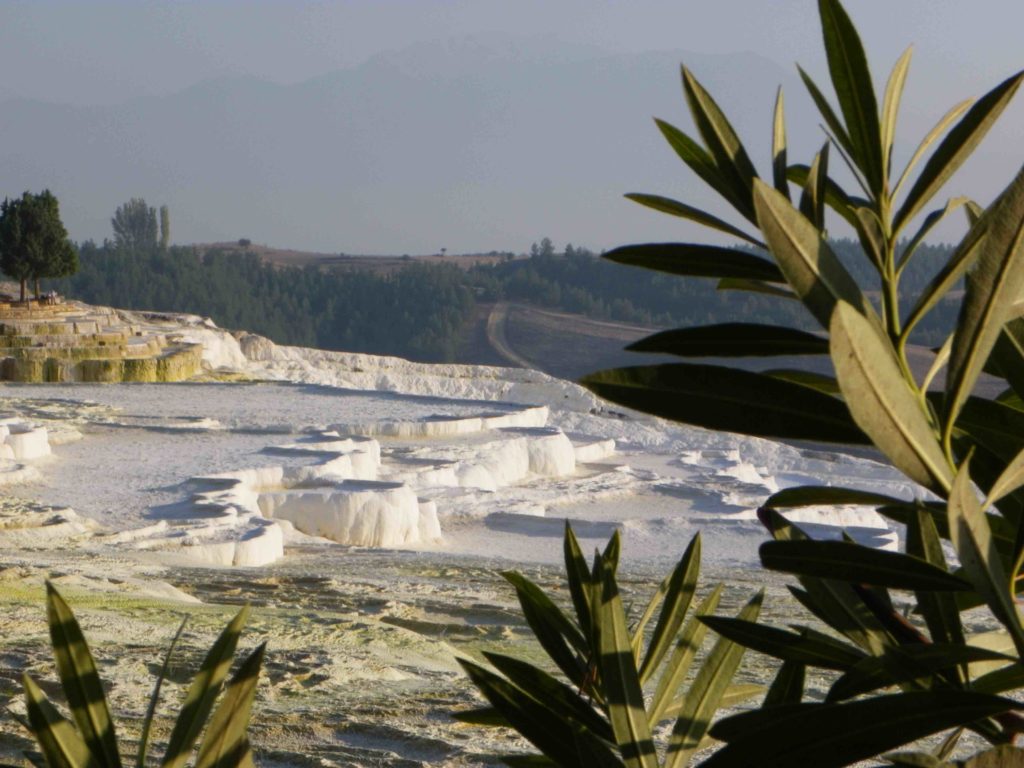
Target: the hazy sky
pixel 104 53
pixel 101 52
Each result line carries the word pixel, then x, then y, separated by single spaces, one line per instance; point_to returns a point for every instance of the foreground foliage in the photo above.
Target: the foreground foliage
pixel 88 740
pixel 904 665
pixel 602 718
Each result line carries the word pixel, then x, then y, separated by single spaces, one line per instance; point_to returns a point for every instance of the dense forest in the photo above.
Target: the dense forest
pixel 422 311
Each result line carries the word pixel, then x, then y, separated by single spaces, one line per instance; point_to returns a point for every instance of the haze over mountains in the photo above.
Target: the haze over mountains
pixel 475 144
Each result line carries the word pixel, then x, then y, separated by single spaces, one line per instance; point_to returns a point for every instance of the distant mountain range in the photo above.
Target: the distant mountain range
pixel 467 145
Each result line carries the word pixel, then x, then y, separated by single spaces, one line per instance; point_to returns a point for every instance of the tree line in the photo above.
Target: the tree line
pixel 424 311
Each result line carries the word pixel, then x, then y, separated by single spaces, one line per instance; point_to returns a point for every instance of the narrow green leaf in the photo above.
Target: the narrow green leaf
pixel 857 564
pixel 624 697
pixel 489 717
pixel 817 381
pixel 805 258
pixel 779 146
pixel 851 79
pixel 966 254
pixel 994 285
pixel 929 222
pixel 60 743
pixel 147 721
pixel 905 665
pixel 833 735
pixel 203 692
pixel 578 575
pixel 891 107
pixel 557 635
pixel 974 543
pixel 828 114
pixel 722 142
pixel 815 495
pixel 1008 355
pixel 531 718
pixel 688 212
pixel 703 698
pixel 835 197
pixel 882 402
pixel 728 399
pixel 785 645
pixel 939 609
pixel 1003 756
pixel 787 687
pixel 701 163
pixel 1010 480
pixel 871 236
pixel 733 340
pixel 226 740
pixel 945 749
pixel 956 148
pixel 812 199
pixel 81 681
pixel 554 694
pixel 930 138
pixel 678 665
pixel 678 595
pixel 916 760
pixel 754 286
pixel 696 261
pixel 940 361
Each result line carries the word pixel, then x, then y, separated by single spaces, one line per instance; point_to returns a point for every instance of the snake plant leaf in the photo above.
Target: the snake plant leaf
pixel 787 687
pixel 929 222
pixel 681 584
pixel 733 340
pixel 556 695
pixel 835 197
pixel 61 744
pixel 696 261
pixel 533 719
pixel 729 399
pixel 754 286
pixel 701 163
pixel 779 145
pixel 805 258
pixel 703 698
pixel 994 285
pixel 557 635
pixel 785 645
pixel 578 576
pixel 678 665
pixel 154 699
pixel 203 692
pixel 959 143
pixel 882 402
pixel 938 609
pixel 81 681
pixel 623 694
pixel 975 545
pixel 854 563
pixel 688 212
pixel 906 664
pixel 226 740
pixel 722 142
pixel 851 79
pixel 814 495
pixel 835 126
pixel 891 107
pixel 812 199
pixel 837 734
